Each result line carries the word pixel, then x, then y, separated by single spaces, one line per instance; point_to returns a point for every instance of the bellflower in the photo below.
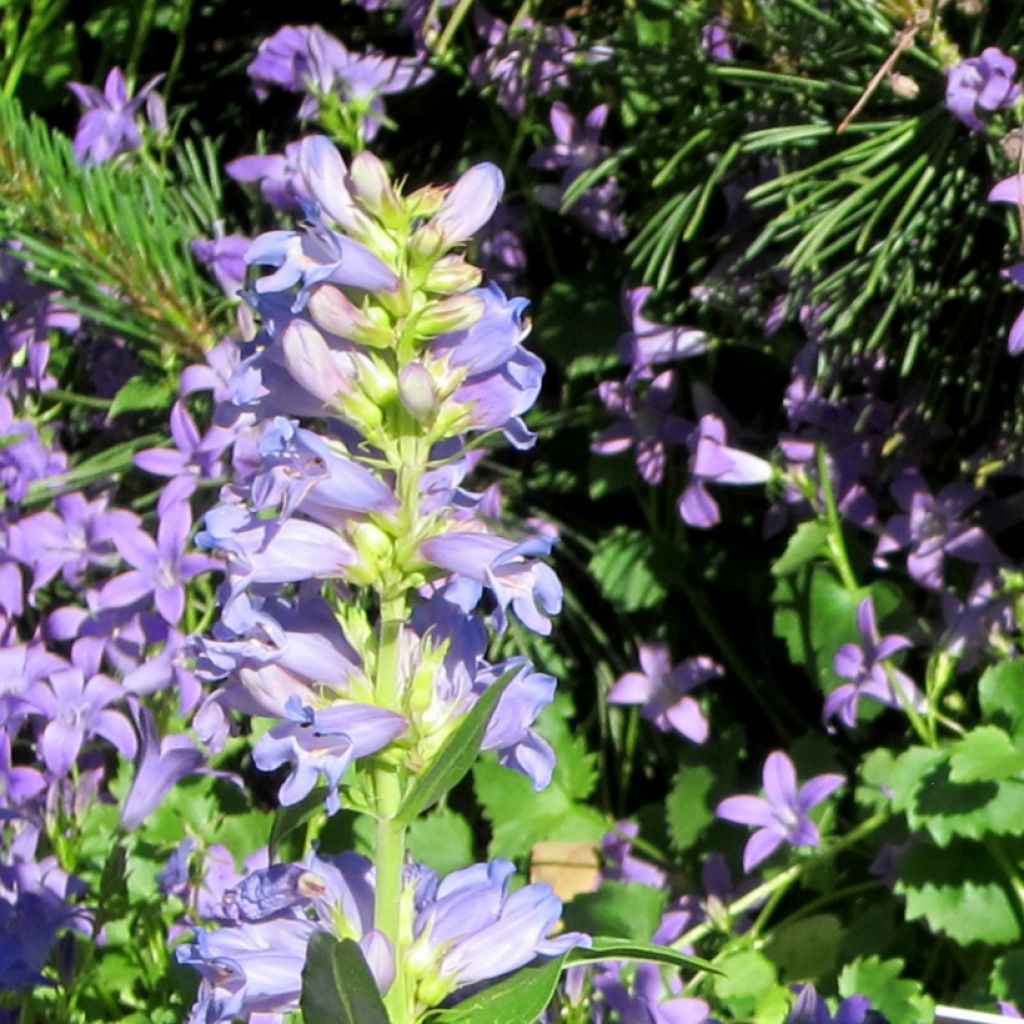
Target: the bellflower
pixel 469 929
pixel 645 1002
pixel 647 344
pixel 932 527
pixel 76 701
pixel 108 126
pixel 223 254
pixel 506 568
pixel 278 175
pixel 810 1008
pixel 645 423
pixel 711 461
pixel 781 815
pixel 160 567
pixel 985 81
pixel 663 691
pixel 865 666
pixel 716 40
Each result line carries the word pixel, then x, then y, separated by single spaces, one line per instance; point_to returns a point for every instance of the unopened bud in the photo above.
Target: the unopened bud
pixel 156 113
pixel 417 392
pixel 309 361
pixel 372 185
pixel 455 313
pixel 376 379
pixel 373 551
pixel 452 274
pixel 904 86
pixel 426 201
pixel 332 311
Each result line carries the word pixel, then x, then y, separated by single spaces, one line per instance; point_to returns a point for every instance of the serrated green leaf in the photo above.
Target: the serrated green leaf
pixel 337 986
pixel 623 567
pixel 454 760
pixel 900 999
pixel 746 976
pixel 807 542
pixel 141 393
pixel 623 910
pixel 442 840
pixel 1001 694
pixel 806 949
pixel 688 805
pixel 1007 978
pixel 985 754
pixel 876 774
pixel 961 892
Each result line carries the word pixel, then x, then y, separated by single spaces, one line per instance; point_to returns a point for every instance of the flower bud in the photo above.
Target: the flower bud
pixel 416 391
pixel 470 204
pixel 376 379
pixel 373 553
pixel 452 274
pixel 455 313
pixel 426 201
pixel 332 311
pixel 310 362
pixel 372 186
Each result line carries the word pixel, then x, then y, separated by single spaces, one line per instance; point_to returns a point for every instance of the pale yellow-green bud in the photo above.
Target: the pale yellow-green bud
pixel 376 379
pixel 374 548
pixel 455 313
pixel 416 391
pixel 332 311
pixel 427 242
pixel 373 187
pixel 452 274
pixel 426 201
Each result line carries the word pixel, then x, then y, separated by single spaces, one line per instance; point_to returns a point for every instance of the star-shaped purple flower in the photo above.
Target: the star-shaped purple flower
pixel 108 126
pixel 781 815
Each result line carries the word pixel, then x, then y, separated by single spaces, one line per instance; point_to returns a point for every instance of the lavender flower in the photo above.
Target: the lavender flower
pixel 810 1008
pixel 712 461
pixel 647 344
pixel 108 126
pixel 716 40
pixel 782 817
pixel 645 423
pixel 931 527
pixel 985 81
pixel 663 691
pixel 224 255
pixel 865 666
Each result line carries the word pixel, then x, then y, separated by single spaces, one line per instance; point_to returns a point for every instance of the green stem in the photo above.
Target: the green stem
pixel 836 544
pixel 451 26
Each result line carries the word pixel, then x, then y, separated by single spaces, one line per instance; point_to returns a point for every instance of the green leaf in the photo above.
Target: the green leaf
pixel 688 805
pixel 807 542
pixel 454 760
pixel 746 977
pixel 901 1000
pixel 1001 694
pixel 604 948
pixel 518 999
pixel 623 910
pixel 141 392
pixel 337 986
pixel 876 774
pixel 288 819
pixel 624 568
pixel 961 892
pixel 1007 977
pixel 442 840
pixel 985 754
pixel 807 948
pixel 578 322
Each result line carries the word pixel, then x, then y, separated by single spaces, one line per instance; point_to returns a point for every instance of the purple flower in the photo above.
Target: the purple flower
pixel 619 863
pixel 278 175
pixel 108 126
pixel 524 62
pixel 469 929
pixel 712 461
pixel 985 81
pixel 865 666
pixel 646 423
pixel 716 39
pixel 75 701
pixel 161 568
pixel 663 691
pixel 162 763
pixel 508 569
pixel 782 817
pixel 810 1008
pixel 931 527
pixel 324 742
pixel 194 456
pixel 648 344
pixel 649 999
pixel 223 254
